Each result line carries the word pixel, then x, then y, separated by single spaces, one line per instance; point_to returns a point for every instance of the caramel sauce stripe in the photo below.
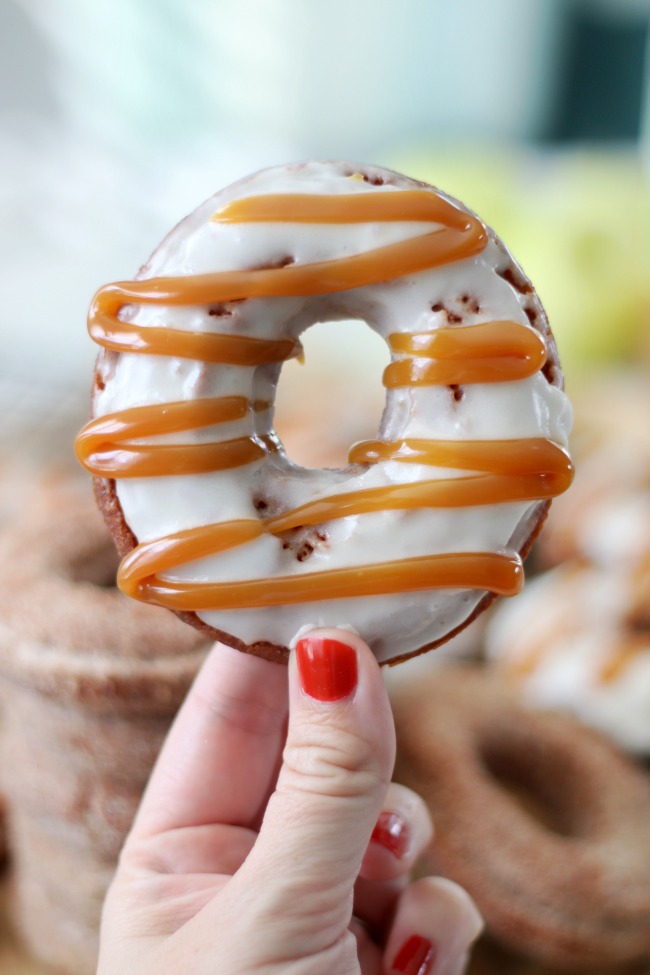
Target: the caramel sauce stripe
pixel 237 350
pixel 105 449
pixel 487 352
pixel 501 471
pixel 622 655
pixel 489 571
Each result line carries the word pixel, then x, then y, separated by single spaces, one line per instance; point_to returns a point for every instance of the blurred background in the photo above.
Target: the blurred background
pixel 118 118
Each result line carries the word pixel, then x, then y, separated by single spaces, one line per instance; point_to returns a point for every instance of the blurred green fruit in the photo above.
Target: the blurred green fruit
pixel 578 224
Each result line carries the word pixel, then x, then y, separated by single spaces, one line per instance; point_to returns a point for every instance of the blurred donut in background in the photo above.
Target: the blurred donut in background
pixel 578 638
pixel 541 820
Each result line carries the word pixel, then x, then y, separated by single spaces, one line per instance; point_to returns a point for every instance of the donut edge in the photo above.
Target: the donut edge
pixel 125 541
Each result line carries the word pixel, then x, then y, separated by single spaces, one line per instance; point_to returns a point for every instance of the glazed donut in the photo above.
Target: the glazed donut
pixel 429 520
pixel 540 819
pixel 577 640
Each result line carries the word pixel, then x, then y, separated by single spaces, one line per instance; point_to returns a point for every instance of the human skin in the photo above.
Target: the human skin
pixel 270 840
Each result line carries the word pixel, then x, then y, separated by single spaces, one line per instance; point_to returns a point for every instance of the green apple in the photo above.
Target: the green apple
pixel 577 223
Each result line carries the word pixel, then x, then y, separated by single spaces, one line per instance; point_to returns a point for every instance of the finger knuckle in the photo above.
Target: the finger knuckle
pixel 346 765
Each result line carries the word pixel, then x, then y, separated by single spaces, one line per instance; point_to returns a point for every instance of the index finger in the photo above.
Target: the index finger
pixel 219 761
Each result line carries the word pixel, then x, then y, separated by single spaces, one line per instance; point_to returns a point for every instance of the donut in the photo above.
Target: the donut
pixel 430 520
pixel 541 820
pixel 65 629
pixel 578 640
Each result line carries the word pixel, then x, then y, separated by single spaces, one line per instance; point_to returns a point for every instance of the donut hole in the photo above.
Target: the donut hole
pixel 335 397
pixel 531 782
pixel 96 566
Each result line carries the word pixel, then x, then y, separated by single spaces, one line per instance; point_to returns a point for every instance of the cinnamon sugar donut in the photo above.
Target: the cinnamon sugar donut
pixel 64 626
pixel 89 684
pixel 540 819
pixel 429 520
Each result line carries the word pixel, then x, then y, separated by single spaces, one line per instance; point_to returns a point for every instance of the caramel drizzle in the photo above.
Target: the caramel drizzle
pixel 105 445
pixel 609 671
pixel 519 470
pixel 502 574
pixel 623 655
pixel 489 352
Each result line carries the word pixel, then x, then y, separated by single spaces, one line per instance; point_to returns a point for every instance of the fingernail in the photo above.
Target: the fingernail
pixel 392 832
pixel 415 957
pixel 327 668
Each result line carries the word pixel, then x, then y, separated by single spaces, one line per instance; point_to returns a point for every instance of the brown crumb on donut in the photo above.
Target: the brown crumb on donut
pixel 515 280
pixel 452 317
pixel 303 541
pixel 471 303
pixel 220 311
pixel 457 392
pixel 266 506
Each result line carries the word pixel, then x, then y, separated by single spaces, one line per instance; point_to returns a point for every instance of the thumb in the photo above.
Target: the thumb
pixel 337 765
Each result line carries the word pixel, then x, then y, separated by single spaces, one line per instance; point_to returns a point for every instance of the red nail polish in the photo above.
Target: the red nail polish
pixel 415 957
pixel 392 832
pixel 327 668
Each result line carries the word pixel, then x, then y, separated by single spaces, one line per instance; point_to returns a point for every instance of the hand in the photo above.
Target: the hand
pixel 270 840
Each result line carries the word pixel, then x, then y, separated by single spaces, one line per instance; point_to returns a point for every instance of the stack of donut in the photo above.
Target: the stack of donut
pixel 89 681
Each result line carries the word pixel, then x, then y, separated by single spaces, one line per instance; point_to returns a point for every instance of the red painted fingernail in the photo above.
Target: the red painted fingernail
pixel 415 957
pixel 392 832
pixel 327 668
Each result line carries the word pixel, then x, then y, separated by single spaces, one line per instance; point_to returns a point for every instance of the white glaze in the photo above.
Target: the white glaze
pixel 568 625
pixel 395 624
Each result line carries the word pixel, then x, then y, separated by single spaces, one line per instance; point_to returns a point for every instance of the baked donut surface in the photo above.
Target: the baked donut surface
pixel 429 520
pixel 541 820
